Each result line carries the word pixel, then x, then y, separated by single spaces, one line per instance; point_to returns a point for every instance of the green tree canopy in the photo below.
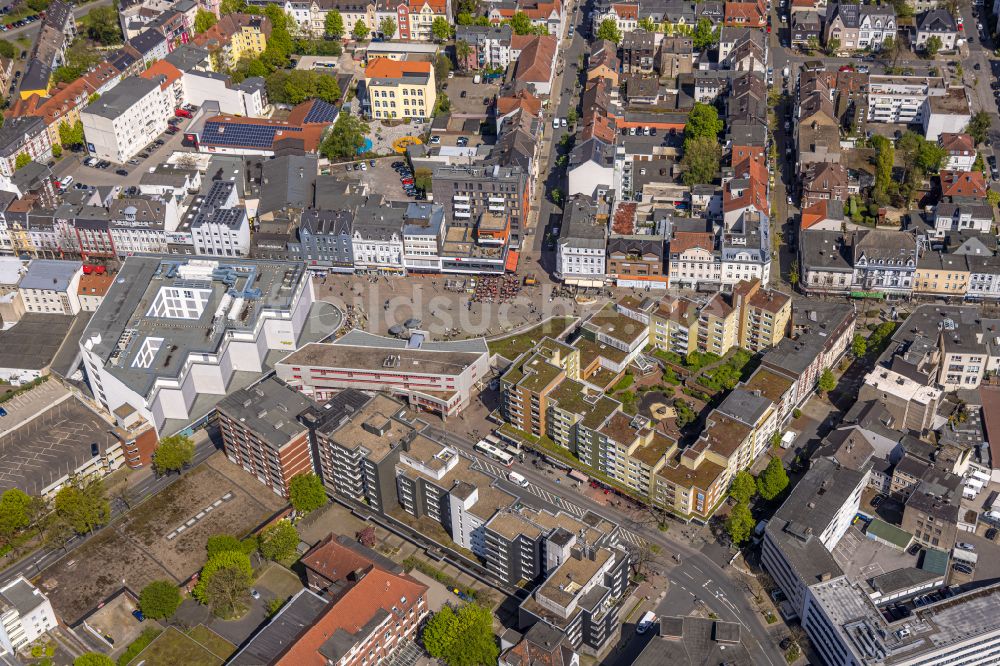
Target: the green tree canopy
pixel 441 29
pixel 915 150
pixel 463 637
pixel 360 31
pixel 832 46
pixel 387 26
pixel 859 346
pixel 827 382
pixel 705 35
pixel 159 600
pixel 462 52
pixel 299 85
pixel 772 480
pixel 521 24
pixel 647 24
pixel 608 29
pixel 21 161
pixel 173 454
pixel 739 524
pixel 93 659
pixel 7 50
pixel 278 542
pixel 220 543
pixel 102 25
pixel 979 127
pixel 204 20
pixel 346 138
pixel 71 135
pixel 743 487
pixel 932 46
pixel 702 121
pixel 333 24
pixel 227 597
pixel 306 492
pixel 885 155
pixel 701 160
pixel 232 7
pixel 83 505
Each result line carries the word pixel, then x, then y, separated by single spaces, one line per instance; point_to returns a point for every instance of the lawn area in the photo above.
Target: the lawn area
pixel 172 647
pixel 513 346
pixel 215 643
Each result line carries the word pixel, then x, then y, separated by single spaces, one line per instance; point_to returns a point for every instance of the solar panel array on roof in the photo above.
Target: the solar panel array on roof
pixel 321 112
pixel 221 133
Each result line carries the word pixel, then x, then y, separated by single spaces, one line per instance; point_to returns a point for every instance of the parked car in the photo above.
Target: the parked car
pixel 964 545
pixel 962 568
pixel 255 594
pixel 138 614
pixel 182 113
pixel 991 533
pixel 121 172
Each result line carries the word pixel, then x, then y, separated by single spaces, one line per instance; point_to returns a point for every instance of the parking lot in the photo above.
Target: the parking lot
pixel 50 446
pixel 22 407
pixel 381 179
pixel 475 94
pixel 73 164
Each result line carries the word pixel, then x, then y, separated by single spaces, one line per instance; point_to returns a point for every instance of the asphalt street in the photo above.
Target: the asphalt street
pixel 40 560
pixel 32 28
pixel 716 590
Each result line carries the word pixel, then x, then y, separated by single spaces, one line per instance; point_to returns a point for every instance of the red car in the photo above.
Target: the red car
pixel 406 181
pixel 182 113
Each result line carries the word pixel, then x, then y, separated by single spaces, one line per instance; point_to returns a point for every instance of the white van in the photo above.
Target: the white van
pixel 645 622
pixel 514 477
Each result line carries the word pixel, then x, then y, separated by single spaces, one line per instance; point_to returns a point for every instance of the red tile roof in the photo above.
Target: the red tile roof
pixel 383 68
pixel 958 144
pixel 686 240
pixel 162 68
pixel 377 591
pixel 963 183
pixel 624 222
pixel 535 64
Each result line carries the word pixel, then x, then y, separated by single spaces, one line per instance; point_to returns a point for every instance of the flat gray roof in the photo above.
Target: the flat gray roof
pixel 126 319
pixel 23 596
pixel 269 409
pixel 33 342
pixel 122 97
pixel 50 274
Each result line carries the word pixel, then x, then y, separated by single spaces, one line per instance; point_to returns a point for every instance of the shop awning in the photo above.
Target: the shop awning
pixel 512 258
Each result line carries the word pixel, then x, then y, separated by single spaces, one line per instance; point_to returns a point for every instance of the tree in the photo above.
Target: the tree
pixel 993 198
pixel 387 27
pixel 463 637
pixel 306 493
pixel 885 155
pixel 932 46
pixel 772 480
pixel 571 116
pixel 979 126
pixel 521 24
pixel 701 160
pixel 173 454
pixel 159 600
pixel 232 7
pixel 103 26
pixel 441 29
pixel 367 537
pixel 7 50
pixel 702 121
pixel 705 35
pixel 608 29
pixel 21 161
pixel 462 52
pixel 18 510
pixel 57 151
pixel 556 195
pixel 279 541
pixel 647 24
pixel 903 9
pixel 812 44
pixel 93 659
pixel 71 135
pixel 83 505
pixel 827 382
pixel 442 65
pixel 739 524
pixel 236 574
pixel 204 20
pixel 832 46
pixel 360 31
pixel 859 346
pixel 298 85
pixel 793 273
pixel 743 487
pixel 333 25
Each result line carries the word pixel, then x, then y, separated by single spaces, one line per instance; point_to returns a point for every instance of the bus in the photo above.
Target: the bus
pixel 512 449
pixel 494 452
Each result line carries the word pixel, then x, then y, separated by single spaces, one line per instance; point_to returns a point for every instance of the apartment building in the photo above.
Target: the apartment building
pixel 139 225
pixel 530 380
pixel 718 326
pixel 51 286
pixel 693 259
pixel 614 328
pixel 234 37
pixel 470 191
pixel 126 119
pixel 580 258
pixel 27 136
pixel 673 325
pixel 942 275
pixel 628 449
pixel 764 315
pixel 961 151
pixel 884 261
pixel 399 89
pixel 857 27
pixel 358 439
pixel 262 434
pixel 25 615
pixel 962 215
pixel 436 376
pixel 901 99
pixel 965 356
pixel 490 46
pixel 217 224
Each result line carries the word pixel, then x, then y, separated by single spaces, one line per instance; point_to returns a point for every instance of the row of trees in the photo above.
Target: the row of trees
pixel 298 85
pixel 335 29
pixel 770 483
pixel 704 35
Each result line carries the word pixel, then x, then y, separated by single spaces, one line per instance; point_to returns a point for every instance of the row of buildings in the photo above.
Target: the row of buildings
pixel 370 448
pixel 557 390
